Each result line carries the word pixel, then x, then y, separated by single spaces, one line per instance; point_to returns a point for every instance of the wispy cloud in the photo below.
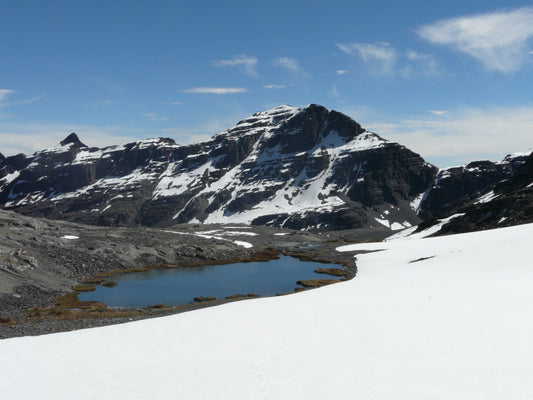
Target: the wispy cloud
pixel 498 40
pixel 245 63
pixel 29 100
pixel 383 60
pixel 380 57
pixel 333 92
pixel 287 63
pixel 290 64
pixel 153 116
pixel 31 137
pixel 341 71
pixel 275 86
pixel 438 112
pixel 419 64
pixel 214 90
pixel 4 94
pixel 461 135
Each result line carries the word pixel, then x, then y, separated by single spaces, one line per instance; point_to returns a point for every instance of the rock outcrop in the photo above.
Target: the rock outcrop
pixel 506 203
pixel 456 186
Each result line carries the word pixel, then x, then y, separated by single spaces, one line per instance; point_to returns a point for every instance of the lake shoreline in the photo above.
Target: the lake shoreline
pixel 29 295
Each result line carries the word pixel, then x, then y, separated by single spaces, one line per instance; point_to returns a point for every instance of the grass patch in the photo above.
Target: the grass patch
pixel 348 240
pixel 314 283
pixel 201 299
pixel 235 296
pixel 92 281
pixel 84 288
pixel 331 271
pixel 157 306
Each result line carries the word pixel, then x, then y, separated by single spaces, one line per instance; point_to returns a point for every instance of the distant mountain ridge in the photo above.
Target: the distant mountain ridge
pixel 296 168
pixel 455 187
pixel 507 202
pixel 307 168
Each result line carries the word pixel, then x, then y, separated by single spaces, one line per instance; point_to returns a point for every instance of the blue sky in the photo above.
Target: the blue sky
pixel 451 80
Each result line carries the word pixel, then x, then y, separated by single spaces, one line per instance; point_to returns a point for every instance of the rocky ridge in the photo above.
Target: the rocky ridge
pixel 455 187
pixel 506 203
pixel 288 167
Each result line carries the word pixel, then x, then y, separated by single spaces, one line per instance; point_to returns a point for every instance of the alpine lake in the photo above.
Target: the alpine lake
pixel 184 285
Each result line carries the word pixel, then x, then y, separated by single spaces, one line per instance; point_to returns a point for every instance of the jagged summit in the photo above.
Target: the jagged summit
pixel 72 139
pixel 294 167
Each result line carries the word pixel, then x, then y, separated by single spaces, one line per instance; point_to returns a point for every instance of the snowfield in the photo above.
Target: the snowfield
pixel 434 318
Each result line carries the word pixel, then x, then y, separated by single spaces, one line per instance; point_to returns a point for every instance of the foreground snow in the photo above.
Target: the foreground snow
pixel 454 325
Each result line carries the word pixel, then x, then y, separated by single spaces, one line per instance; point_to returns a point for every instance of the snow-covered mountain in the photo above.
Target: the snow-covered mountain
pixel 290 167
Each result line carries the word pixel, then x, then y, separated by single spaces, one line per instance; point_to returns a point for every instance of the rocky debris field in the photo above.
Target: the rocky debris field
pixel 42 261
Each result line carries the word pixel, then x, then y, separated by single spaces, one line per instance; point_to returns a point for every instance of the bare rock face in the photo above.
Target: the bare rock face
pixel 506 203
pixel 457 186
pixel 72 139
pixel 298 168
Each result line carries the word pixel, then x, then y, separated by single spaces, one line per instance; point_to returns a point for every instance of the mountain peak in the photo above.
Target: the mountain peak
pixel 72 139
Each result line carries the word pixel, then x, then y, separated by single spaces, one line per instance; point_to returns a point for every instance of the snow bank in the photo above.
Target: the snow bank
pixel 70 237
pixel 436 318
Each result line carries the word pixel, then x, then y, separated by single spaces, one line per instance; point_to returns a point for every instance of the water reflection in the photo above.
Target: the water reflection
pixel 181 285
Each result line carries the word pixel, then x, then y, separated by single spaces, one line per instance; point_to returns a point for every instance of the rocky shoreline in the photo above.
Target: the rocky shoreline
pixel 41 261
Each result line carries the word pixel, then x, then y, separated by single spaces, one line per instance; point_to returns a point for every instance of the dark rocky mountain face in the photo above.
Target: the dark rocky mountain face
pixel 506 203
pixel 456 186
pixel 297 168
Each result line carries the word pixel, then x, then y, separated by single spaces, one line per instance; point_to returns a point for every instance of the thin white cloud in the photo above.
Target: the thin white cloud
pixel 4 94
pixel 214 90
pixel 438 112
pixel 380 57
pixel 419 64
pixel 333 92
pixel 275 86
pixel 30 100
pixel 341 71
pixel 498 40
pixel 287 63
pixel 462 135
pixel 290 64
pixel 31 137
pixel 153 116
pixel 245 63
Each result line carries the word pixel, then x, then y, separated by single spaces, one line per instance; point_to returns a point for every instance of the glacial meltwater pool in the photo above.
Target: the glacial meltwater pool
pixel 181 285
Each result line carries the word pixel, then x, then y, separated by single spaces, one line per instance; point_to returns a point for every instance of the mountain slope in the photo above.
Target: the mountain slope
pixel 297 168
pixel 455 187
pixel 506 203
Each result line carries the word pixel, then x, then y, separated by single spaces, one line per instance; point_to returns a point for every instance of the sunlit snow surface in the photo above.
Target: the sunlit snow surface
pixel 435 318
